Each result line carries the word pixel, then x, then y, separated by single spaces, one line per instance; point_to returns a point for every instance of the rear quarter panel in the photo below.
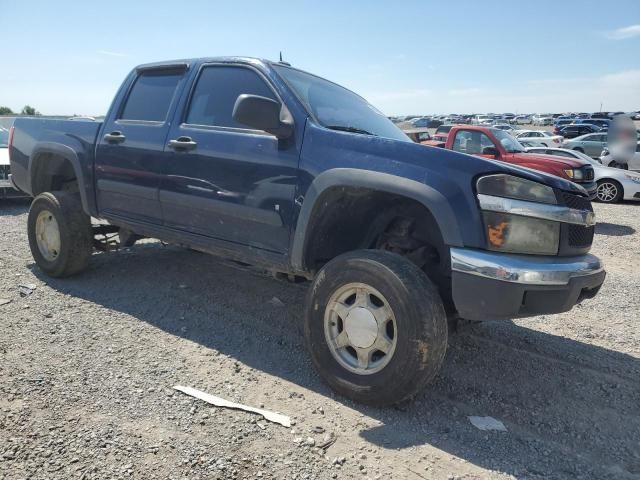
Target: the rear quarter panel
pixel 75 140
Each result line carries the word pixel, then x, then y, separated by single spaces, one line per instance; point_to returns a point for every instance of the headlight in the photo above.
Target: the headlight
pixel 523 216
pixel 633 177
pixel 516 234
pixel 574 173
pixel 502 185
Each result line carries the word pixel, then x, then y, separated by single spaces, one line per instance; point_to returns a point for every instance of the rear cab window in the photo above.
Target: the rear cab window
pixel 151 95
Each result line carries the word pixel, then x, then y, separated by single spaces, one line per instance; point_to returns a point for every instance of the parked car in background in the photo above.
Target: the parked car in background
pixel 592 144
pixel 573 130
pixel 561 122
pixel 427 122
pixel 418 135
pixel 630 162
pixel 420 122
pixel 4 161
pixel 480 119
pixel 6 187
pixel 545 139
pixel 542 120
pixel 498 145
pixel 602 123
pixel 522 120
pixel 614 184
pixel 441 133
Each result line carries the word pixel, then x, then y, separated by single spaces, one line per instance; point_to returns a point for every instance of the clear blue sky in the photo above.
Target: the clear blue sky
pixel 405 57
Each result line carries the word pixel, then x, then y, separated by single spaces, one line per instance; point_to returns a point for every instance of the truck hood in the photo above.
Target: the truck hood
pixel 554 159
pixel 4 156
pixel 438 167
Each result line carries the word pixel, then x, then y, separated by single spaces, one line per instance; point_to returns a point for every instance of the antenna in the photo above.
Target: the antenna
pixel 283 62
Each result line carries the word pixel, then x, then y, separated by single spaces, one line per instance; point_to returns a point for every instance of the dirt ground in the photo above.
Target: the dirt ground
pixel 87 367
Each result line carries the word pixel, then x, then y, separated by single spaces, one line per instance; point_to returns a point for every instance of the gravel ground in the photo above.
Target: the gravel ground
pixel 87 365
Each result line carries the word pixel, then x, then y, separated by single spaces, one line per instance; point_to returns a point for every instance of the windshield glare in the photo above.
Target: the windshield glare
pixel 335 106
pixel 510 144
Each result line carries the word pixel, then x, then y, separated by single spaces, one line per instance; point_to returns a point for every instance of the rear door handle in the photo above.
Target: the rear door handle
pixel 115 137
pixel 183 143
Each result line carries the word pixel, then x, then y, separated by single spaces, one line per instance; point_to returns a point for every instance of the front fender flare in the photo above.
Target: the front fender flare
pixel 428 196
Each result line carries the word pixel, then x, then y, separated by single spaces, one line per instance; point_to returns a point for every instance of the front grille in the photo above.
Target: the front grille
pixel 4 172
pixel 575 239
pixel 588 174
pixel 575 201
pixel 580 236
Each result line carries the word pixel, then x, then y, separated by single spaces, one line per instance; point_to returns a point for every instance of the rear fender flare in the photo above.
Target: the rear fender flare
pixel 66 152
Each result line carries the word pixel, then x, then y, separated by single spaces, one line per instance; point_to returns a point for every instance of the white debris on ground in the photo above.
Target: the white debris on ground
pixel 487 423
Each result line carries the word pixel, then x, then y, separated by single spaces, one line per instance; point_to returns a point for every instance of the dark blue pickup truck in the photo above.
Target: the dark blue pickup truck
pixel 269 165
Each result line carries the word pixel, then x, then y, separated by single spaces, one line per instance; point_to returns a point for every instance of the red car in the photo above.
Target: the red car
pixel 499 145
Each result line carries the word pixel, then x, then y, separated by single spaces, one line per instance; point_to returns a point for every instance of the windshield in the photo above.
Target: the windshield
pixel 4 137
pixel 510 144
pixel 586 158
pixel 336 107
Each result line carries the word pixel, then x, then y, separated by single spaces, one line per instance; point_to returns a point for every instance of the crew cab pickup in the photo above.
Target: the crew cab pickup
pixel 270 165
pixel 495 144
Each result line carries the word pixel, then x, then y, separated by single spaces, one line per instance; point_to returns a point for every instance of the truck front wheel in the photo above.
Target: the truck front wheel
pixel 375 326
pixel 59 233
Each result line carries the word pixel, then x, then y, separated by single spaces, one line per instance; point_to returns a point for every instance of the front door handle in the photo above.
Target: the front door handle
pixel 115 137
pixel 183 143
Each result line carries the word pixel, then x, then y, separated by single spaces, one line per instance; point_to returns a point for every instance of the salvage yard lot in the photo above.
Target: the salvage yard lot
pixel 87 366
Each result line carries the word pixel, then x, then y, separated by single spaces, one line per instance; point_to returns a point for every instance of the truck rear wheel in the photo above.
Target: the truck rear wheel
pixel 375 326
pixel 59 233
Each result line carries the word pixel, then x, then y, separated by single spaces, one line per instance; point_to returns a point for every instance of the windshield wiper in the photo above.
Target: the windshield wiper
pixel 346 128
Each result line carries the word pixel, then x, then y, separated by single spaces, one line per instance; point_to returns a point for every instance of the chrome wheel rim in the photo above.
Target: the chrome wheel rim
pixel 48 235
pixel 360 328
pixel 607 192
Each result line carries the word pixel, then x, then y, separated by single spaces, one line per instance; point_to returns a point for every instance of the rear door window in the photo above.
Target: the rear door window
pixel 151 96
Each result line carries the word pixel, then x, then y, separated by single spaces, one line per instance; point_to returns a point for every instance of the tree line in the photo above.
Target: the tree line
pixel 26 110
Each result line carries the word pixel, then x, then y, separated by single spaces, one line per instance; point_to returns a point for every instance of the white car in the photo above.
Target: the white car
pixel 522 120
pixel 614 184
pixel 542 120
pixel 481 119
pixel 5 185
pixel 631 163
pixel 544 139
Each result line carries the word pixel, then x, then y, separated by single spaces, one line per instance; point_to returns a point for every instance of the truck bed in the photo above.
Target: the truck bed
pixel 34 134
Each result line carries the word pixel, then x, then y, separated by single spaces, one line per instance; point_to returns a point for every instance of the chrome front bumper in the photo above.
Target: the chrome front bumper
pixel 524 269
pixel 488 285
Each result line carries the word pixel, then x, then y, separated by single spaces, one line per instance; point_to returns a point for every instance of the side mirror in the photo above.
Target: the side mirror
pixel 490 151
pixel 262 113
